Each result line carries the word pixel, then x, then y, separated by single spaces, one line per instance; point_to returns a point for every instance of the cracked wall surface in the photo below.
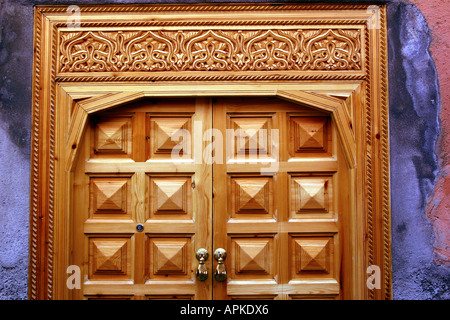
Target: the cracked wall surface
pixel 414 128
pixel 419 127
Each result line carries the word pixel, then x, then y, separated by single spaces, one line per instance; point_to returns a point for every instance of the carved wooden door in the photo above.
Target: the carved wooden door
pixel 275 204
pixel 140 213
pixel 153 185
pixel 113 194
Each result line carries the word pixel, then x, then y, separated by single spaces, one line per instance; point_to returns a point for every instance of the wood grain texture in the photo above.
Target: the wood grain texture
pixel 259 246
pixel 164 202
pixel 359 115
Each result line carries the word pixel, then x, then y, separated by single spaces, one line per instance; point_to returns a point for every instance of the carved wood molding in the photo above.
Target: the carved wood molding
pixel 213 77
pixel 210 50
pixel 323 43
pixel 207 7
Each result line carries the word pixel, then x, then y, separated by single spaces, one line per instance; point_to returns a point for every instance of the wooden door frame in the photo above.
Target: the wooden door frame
pixel 355 95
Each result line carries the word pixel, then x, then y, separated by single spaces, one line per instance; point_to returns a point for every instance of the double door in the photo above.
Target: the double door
pixel 209 198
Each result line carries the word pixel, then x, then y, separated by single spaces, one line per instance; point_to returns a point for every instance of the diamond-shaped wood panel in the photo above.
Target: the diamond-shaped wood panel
pixel 251 136
pixel 110 198
pixel 109 258
pixel 169 257
pixel 252 258
pixel 313 255
pixel 171 196
pixel 309 134
pixel 310 195
pixel 113 136
pixel 252 195
pixel 170 135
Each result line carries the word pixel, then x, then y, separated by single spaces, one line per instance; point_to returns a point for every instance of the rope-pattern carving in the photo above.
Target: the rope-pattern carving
pixel 369 164
pixel 203 8
pixel 34 220
pixel 230 77
pixel 51 181
pixel 385 158
pixel 197 23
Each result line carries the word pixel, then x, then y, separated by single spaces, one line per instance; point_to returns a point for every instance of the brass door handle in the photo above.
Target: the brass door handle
pixel 202 255
pixel 221 273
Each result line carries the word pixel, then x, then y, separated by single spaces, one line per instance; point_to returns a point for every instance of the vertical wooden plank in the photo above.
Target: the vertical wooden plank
pixel 139 206
pixel 282 201
pixel 284 138
pixel 34 245
pixel 79 213
pixel 63 199
pixel 139 144
pixel 282 207
pixel 203 193
pixel 220 201
pixel 44 155
pixel 359 192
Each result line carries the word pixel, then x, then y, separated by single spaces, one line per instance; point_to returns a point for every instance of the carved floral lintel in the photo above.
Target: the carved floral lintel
pixel 210 50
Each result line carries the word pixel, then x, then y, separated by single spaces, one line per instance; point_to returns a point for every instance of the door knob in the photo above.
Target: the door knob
pixel 221 273
pixel 202 255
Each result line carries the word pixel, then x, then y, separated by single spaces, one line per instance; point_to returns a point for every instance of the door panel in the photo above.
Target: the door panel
pixel 146 198
pixel 276 214
pixel 127 178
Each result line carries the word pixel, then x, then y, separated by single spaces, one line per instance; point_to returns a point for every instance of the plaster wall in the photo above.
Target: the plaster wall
pixel 419 133
pixel 438 206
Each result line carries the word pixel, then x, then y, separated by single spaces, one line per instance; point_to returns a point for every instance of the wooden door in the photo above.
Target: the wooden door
pixel 268 185
pixel 331 57
pixel 139 211
pixel 276 200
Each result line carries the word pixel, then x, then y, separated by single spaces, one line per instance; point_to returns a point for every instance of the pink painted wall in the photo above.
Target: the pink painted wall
pixel 436 13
